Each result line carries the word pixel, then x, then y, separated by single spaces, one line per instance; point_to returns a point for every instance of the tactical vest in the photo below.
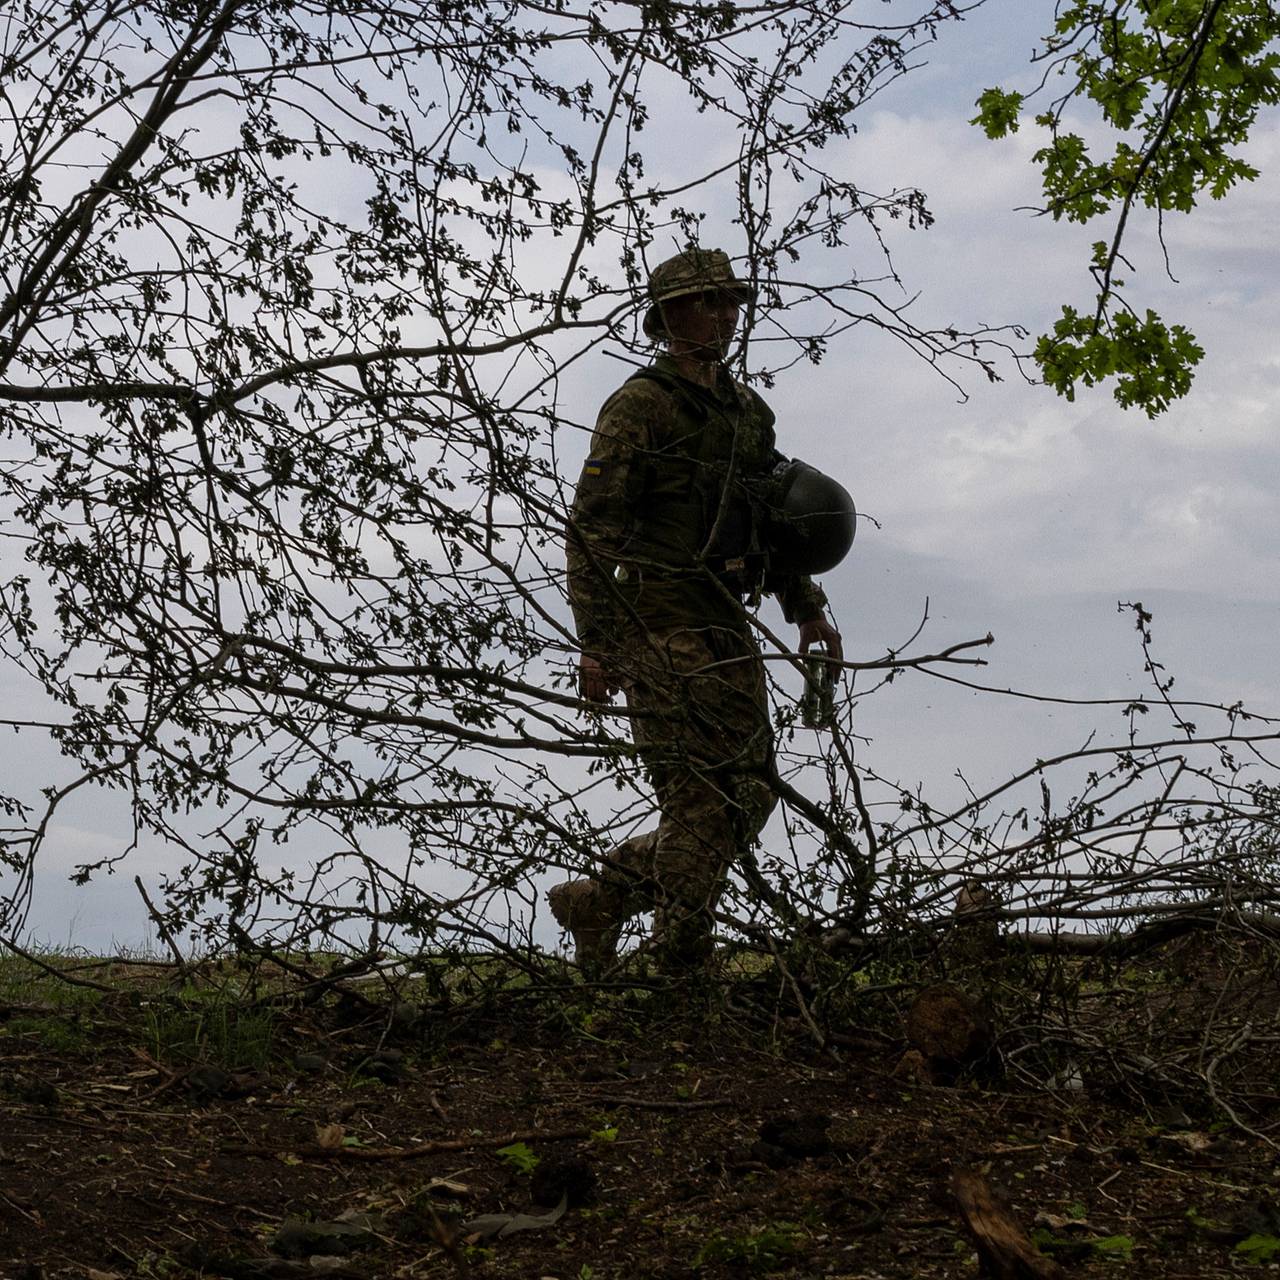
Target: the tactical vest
pixel 679 488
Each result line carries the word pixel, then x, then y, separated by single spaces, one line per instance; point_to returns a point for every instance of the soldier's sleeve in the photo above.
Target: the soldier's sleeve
pixel 801 598
pixel 603 517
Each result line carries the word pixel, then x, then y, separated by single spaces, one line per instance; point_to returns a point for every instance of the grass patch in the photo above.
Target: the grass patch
pixel 758 1252
pixel 56 1033
pixel 209 1026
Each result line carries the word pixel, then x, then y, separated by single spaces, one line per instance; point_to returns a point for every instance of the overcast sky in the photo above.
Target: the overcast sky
pixel 1032 516
pixel 1013 511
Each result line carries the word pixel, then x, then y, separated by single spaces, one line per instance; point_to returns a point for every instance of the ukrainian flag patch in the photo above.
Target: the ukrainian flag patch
pixel 593 467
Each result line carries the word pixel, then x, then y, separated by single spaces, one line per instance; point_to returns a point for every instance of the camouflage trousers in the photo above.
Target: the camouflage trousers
pixel 700 720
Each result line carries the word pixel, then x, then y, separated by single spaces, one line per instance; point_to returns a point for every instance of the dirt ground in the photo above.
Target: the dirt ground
pixel 664 1141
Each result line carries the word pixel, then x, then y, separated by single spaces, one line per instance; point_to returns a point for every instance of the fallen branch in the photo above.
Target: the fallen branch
pixel 319 983
pixel 645 1104
pixel 1146 937
pixel 52 970
pixel 171 1189
pixel 1167 923
pixel 315 1152
pixel 1004 1249
pixel 163 929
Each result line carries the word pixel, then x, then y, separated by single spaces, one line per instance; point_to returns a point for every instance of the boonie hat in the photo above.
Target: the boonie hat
pixel 693 271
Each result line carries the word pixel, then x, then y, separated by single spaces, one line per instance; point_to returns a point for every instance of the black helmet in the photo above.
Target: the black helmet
pixel 812 520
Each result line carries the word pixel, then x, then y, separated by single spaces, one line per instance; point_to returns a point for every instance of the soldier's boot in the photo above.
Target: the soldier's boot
pixel 590 912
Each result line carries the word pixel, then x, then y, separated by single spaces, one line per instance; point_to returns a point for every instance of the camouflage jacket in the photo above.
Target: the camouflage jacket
pixel 661 518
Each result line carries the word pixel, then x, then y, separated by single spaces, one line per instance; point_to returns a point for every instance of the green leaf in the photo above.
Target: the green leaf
pixel 1259 1248
pixel 1152 363
pixel 1112 1247
pixel 997 112
pixel 519 1155
pixel 1177 87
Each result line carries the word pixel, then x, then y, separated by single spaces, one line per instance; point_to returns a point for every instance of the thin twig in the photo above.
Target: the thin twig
pixel 651 1104
pixel 819 1038
pixel 315 1152
pixel 163 929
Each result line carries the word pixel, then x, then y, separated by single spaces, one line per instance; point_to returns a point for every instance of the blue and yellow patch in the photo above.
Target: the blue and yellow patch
pixel 593 467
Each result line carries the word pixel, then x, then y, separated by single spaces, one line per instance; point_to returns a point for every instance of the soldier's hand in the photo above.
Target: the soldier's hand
pixel 820 631
pixel 594 681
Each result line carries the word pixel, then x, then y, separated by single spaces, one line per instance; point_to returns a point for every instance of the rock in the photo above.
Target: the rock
pixel 949 1027
pixel 789 1137
pixel 500 1225
pixel 205 1083
pixel 39 1093
pixel 799 1134
pixel 914 1067
pixel 556 1178
pixel 387 1065
pixel 299 1239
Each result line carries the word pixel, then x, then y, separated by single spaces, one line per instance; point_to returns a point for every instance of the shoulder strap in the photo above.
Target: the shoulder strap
pixel 669 383
pixel 664 380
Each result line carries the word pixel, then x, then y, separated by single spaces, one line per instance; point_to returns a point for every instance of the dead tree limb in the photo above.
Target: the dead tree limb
pixel 1004 1250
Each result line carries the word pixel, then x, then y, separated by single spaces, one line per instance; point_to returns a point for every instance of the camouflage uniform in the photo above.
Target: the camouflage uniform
pixel 658 599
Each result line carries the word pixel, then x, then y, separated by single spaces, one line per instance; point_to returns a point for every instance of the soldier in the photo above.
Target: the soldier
pixel 663 549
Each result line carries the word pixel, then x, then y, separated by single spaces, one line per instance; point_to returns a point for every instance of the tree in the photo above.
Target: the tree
pixel 1178 84
pixel 290 291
